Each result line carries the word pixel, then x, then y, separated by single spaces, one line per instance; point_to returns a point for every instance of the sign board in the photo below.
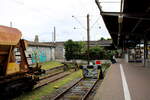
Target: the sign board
pixel 98 62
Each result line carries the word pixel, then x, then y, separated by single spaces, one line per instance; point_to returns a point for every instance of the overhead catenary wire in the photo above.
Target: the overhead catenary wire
pixel 86 9
pixel 83 7
pixel 79 22
pixel 95 22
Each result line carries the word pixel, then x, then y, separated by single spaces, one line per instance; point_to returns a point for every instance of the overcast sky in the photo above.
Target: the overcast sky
pixel 38 17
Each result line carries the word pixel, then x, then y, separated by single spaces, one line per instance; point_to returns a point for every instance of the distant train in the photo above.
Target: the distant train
pixel 15 73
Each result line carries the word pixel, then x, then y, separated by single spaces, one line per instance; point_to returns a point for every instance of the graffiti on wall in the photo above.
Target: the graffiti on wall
pixel 38 56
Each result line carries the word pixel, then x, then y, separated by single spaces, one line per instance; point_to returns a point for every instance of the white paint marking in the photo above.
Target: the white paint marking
pixel 125 85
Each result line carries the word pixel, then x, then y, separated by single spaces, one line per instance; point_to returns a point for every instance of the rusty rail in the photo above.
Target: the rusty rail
pixel 50 81
pixel 55 68
pixel 50 75
pixel 86 95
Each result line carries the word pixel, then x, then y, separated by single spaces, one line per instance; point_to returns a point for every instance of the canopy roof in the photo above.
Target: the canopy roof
pixel 9 36
pixel 131 23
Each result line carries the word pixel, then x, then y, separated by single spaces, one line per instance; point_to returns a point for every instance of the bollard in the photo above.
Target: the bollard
pixel 101 75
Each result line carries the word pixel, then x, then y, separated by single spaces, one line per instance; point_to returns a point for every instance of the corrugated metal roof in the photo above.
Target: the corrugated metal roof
pixel 135 25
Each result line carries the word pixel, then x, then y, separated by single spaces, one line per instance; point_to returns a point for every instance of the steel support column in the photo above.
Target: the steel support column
pixel 145 52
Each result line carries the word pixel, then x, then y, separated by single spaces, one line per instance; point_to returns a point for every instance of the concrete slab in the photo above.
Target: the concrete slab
pixel 137 78
pixel 111 88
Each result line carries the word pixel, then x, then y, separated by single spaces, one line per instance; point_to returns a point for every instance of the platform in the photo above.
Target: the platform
pixel 125 81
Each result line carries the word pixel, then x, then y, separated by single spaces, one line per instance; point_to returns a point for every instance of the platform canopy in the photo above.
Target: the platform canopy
pixel 9 36
pixel 128 21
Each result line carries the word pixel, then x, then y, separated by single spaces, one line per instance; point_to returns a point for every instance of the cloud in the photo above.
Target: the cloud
pixel 38 17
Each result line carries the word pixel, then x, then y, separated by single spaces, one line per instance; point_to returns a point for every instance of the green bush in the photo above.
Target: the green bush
pixel 78 50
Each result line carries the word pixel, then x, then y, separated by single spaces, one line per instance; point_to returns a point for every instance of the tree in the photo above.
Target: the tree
pixel 96 52
pixel 109 39
pixel 73 49
pixel 78 50
pixel 110 54
pixel 102 38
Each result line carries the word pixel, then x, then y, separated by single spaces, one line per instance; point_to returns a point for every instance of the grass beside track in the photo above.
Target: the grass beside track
pixel 50 64
pixel 45 90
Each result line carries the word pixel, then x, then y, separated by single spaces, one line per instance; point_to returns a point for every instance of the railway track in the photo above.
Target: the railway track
pixel 55 68
pixel 52 75
pixel 51 78
pixel 78 91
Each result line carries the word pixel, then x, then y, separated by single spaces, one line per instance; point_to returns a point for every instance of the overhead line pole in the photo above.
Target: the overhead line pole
pixel 54 43
pixel 10 24
pixel 88 37
pixel 54 35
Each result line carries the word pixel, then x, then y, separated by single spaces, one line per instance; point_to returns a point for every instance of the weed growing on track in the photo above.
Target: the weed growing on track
pixel 45 90
pixel 51 64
